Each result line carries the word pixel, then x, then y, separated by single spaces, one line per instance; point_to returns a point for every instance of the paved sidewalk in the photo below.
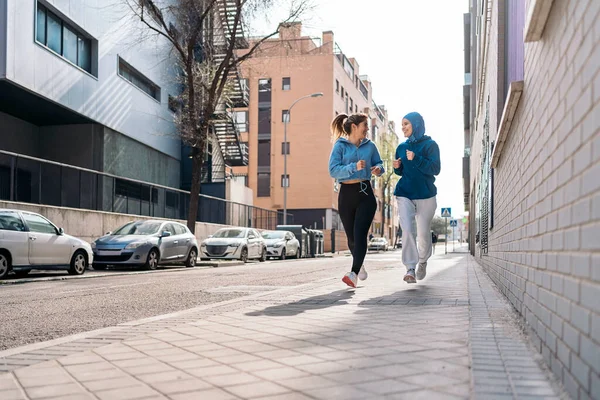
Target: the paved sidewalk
pixel 451 336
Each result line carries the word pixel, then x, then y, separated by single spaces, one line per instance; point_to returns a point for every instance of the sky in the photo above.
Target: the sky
pixel 412 52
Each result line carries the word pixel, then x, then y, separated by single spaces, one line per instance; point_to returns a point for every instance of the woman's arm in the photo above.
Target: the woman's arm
pixel 337 170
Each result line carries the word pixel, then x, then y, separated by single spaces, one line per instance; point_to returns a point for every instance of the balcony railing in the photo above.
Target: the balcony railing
pixel 32 180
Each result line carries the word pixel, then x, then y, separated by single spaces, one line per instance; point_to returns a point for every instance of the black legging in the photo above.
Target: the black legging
pixel 357 206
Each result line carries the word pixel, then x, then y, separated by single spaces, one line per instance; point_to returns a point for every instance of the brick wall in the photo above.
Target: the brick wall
pixel 544 248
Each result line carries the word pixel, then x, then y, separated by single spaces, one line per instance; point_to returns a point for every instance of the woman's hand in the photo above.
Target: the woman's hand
pixel 397 163
pixel 361 165
pixel 410 155
pixel 376 170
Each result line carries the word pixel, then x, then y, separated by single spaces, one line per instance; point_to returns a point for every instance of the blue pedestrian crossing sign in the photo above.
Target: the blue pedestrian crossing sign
pixel 446 213
pixel 453 222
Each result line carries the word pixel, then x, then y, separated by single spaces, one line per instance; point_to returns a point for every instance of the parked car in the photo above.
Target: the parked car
pixel 235 244
pixel 281 244
pixel 377 244
pixel 30 241
pixel 146 243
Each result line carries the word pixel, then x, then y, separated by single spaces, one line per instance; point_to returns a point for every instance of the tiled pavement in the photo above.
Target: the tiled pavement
pixel 452 336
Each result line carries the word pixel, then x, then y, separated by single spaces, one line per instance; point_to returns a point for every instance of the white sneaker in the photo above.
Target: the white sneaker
pixel 362 274
pixel 410 276
pixel 421 271
pixel 350 279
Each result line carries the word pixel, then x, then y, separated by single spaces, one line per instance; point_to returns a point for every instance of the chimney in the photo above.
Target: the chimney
pixel 290 30
pixel 328 41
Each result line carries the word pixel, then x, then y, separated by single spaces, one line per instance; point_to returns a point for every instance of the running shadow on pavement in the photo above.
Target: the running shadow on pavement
pixel 337 298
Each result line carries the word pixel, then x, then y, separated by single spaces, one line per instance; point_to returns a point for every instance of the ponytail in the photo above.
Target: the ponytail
pixel 337 127
pixel 342 124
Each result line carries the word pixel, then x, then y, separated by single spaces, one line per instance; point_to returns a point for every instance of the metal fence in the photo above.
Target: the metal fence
pixel 32 180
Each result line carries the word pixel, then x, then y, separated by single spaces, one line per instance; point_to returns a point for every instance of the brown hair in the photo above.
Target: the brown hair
pixel 342 124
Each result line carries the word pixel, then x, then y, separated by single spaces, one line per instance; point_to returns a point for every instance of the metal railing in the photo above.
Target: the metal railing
pixel 33 180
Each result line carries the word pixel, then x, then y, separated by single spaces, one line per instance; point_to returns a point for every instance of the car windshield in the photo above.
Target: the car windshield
pixel 273 235
pixel 230 233
pixel 139 228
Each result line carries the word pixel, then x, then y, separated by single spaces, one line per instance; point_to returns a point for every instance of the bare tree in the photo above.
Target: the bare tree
pixel 386 143
pixel 206 38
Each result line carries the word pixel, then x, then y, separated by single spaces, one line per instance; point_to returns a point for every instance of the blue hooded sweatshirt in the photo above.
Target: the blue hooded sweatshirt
pixel 345 155
pixel 417 176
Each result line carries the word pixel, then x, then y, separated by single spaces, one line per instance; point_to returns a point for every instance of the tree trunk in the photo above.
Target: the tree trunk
pixel 195 189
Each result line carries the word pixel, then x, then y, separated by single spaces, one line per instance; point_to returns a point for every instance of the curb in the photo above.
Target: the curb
pixel 104 275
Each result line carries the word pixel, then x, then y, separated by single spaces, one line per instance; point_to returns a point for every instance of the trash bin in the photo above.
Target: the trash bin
pixel 302 236
pixel 320 243
pixel 313 238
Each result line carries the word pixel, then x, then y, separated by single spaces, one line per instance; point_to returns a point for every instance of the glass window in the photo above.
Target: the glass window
pixel 40 32
pixel 70 45
pixel 39 224
pixel 179 229
pixel 169 228
pixel 285 115
pixel 264 153
pixel 264 185
pixel 139 228
pixel 10 221
pixel 285 181
pixel 241 120
pixel 285 148
pixel 138 79
pixel 286 84
pixel 230 233
pixel 337 86
pixel 54 33
pixel 84 57
pixel 264 120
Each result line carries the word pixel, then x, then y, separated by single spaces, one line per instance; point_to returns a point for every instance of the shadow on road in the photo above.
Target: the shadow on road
pixel 337 298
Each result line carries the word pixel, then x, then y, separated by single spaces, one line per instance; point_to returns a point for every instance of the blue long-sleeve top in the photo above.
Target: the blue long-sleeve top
pixel 418 175
pixel 345 155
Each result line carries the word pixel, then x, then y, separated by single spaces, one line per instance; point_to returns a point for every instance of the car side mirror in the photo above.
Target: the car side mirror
pixel 165 234
pixel 109 233
pixel 209 236
pixel 61 231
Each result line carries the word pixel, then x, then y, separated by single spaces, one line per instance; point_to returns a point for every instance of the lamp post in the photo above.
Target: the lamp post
pixel 285 174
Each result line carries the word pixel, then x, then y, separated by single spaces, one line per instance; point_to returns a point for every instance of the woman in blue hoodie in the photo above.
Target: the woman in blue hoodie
pixel 417 161
pixel 353 160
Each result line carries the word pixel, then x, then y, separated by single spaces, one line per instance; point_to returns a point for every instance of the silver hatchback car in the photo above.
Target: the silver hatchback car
pixel 147 244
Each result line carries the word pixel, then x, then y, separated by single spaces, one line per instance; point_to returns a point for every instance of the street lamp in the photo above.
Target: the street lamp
pixel 285 174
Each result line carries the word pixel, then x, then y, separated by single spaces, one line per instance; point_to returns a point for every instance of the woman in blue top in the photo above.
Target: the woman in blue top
pixel 417 161
pixel 353 159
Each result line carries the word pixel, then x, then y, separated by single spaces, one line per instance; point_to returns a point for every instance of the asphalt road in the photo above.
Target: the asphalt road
pixel 44 310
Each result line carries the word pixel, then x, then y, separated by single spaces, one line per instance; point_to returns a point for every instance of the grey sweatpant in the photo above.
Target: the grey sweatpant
pixel 421 211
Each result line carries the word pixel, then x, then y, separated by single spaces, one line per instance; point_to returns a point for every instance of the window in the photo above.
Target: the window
pixel 174 104
pixel 286 84
pixel 134 190
pixel 356 109
pixel 285 115
pixel 351 104
pixel 285 148
pixel 342 93
pixel 337 86
pixel 241 120
pixel 180 229
pixel 264 121
pixel 169 228
pixel 64 40
pixel 10 221
pixel 264 153
pixel 39 224
pixel 264 185
pixel 285 180
pixel 138 80
pixel 264 90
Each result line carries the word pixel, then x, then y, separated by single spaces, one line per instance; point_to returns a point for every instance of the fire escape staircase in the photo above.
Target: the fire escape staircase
pixel 235 153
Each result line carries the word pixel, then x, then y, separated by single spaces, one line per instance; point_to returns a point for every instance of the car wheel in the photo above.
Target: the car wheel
pixel 99 267
pixel 297 256
pixel 23 273
pixel 263 255
pixel 282 256
pixel 4 265
pixel 152 260
pixel 79 263
pixel 191 260
pixel 244 255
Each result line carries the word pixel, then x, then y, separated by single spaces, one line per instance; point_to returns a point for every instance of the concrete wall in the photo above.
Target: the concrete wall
pixel 17 135
pixel 129 158
pixel 544 248
pixel 79 145
pixel 3 31
pixel 106 98
pixel 90 225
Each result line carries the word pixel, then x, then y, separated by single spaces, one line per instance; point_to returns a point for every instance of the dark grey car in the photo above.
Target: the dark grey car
pixel 146 243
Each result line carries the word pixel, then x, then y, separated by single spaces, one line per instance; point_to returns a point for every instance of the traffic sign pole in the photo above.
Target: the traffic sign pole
pixel 446 238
